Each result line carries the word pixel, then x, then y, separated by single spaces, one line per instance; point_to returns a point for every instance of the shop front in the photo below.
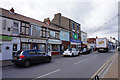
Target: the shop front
pixel 28 43
pixel 65 45
pixel 54 46
pixel 75 44
pixel 8 45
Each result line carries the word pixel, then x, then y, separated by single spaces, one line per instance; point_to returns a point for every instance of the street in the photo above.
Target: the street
pixel 83 66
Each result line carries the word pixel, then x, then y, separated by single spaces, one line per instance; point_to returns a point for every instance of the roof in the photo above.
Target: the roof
pixel 17 16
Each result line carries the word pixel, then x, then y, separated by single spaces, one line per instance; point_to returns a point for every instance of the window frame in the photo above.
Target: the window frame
pixel 73 25
pixel 24 26
pixel 15 28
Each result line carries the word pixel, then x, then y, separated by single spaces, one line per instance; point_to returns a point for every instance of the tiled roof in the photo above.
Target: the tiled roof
pixel 7 13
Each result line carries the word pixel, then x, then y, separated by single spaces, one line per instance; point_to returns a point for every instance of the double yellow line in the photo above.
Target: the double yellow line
pixel 101 69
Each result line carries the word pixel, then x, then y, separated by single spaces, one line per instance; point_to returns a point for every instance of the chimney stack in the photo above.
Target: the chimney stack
pixel 12 10
pixel 47 21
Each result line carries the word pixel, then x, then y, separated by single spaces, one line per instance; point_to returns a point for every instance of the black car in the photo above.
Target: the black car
pixel 28 57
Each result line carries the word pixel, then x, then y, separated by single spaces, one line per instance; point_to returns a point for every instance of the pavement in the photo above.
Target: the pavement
pixel 113 70
pixel 9 62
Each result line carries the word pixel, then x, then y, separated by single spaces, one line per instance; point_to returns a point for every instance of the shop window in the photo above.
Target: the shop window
pixel 41 47
pixel 25 46
pixel 0 47
pixel 4 23
pixel 14 47
pixel 55 47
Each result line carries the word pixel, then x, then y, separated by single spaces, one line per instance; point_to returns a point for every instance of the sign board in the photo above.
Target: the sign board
pixel 52 41
pixel 32 40
pixel 77 41
pixel 5 38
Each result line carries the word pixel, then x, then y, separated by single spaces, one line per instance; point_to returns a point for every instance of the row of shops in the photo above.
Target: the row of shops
pixel 9 45
pixel 18 32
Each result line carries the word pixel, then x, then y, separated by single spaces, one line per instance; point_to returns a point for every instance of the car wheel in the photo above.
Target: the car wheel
pixel 78 54
pixel 72 55
pixel 26 63
pixel 48 60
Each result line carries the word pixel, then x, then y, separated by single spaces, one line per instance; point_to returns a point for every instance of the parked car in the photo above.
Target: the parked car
pixel 71 52
pixel 86 50
pixel 28 57
pixel 118 48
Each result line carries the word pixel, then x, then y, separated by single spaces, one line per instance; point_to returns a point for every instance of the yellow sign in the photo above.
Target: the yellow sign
pixel 101 42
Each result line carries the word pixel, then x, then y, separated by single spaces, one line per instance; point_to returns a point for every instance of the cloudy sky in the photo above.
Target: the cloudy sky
pixel 97 17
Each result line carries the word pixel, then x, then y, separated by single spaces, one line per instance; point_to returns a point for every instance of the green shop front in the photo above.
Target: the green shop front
pixel 8 45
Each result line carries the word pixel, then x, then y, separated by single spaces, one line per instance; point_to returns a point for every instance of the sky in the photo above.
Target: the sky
pixel 95 16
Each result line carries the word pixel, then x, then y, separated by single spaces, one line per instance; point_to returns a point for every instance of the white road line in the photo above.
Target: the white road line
pixel 80 61
pixel 95 55
pixel 47 74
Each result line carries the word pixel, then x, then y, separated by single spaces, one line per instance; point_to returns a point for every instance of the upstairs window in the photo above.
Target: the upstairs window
pixel 25 28
pixel 73 25
pixel 4 23
pixel 15 28
pixel 36 31
pixel 73 34
pixel 52 34
pixel 77 27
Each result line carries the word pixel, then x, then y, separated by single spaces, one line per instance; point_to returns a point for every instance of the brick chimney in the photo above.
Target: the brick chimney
pixel 47 21
pixel 12 10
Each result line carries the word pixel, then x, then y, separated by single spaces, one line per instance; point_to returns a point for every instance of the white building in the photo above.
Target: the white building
pixel 9 42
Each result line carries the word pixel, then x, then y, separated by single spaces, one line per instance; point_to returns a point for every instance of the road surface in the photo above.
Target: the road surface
pixel 83 66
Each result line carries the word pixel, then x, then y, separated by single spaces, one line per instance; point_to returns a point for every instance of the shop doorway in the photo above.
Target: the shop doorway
pixel 35 46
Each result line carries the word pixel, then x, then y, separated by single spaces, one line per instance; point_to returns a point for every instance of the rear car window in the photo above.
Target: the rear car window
pixel 69 49
pixel 18 52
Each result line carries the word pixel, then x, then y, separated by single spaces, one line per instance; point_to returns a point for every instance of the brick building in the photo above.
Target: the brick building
pixel 73 28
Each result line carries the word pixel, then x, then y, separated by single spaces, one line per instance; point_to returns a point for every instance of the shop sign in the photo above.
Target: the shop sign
pixel 33 40
pixel 5 38
pixel 74 43
pixel 51 41
pixel 77 41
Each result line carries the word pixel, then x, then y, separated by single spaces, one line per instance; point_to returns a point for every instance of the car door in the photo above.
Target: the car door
pixel 33 56
pixel 74 52
pixel 41 57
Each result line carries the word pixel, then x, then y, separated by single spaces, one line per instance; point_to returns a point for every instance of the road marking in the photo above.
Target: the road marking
pixel 80 61
pixel 106 66
pixel 101 67
pixel 95 55
pixel 47 74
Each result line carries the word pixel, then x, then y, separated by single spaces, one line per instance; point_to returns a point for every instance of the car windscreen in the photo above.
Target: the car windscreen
pixel 69 49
